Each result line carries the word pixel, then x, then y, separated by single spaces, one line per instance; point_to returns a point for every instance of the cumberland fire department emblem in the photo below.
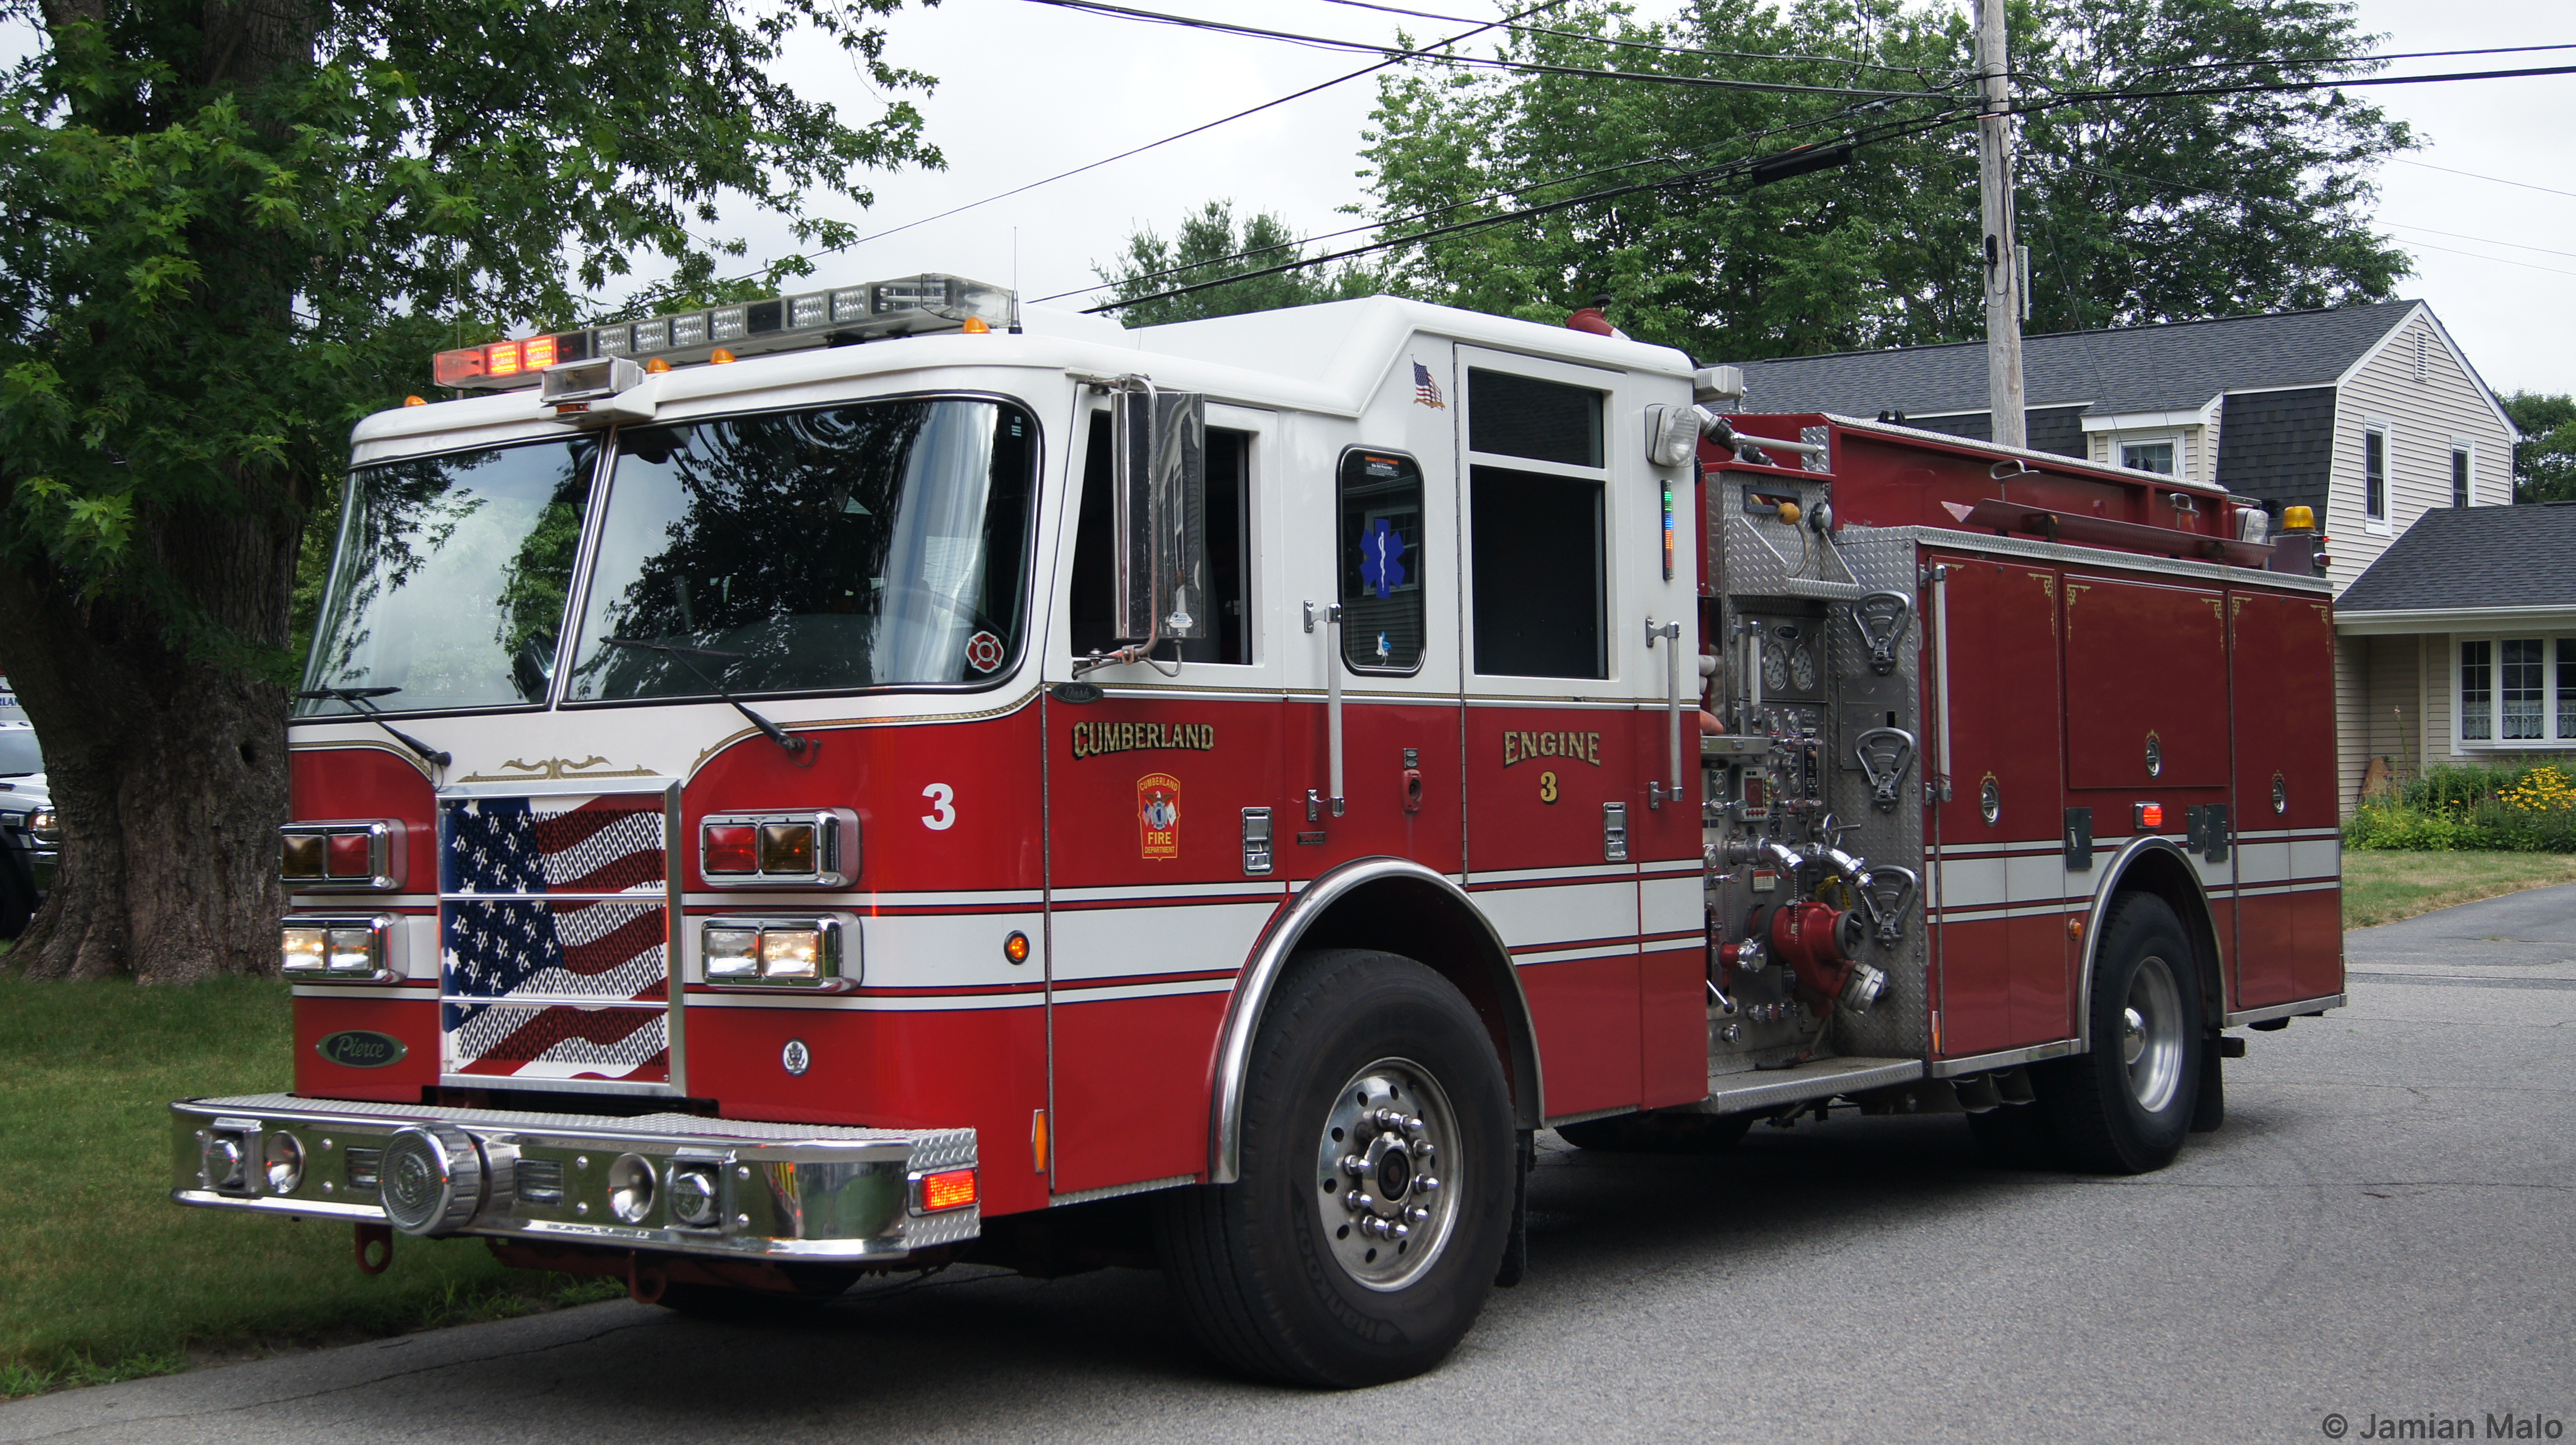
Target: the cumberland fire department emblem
pixel 1158 815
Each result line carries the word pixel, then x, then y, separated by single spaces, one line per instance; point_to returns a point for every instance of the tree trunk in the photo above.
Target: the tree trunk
pixel 168 770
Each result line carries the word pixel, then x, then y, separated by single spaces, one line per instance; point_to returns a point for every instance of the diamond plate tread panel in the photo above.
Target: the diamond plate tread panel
pixel 953 1147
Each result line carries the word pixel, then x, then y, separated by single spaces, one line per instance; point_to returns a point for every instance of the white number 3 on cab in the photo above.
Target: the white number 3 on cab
pixel 943 813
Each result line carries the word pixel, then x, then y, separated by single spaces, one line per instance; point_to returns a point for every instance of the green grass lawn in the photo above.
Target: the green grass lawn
pixel 102 1277
pixel 2382 887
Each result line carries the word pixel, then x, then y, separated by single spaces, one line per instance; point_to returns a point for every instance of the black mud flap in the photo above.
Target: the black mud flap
pixel 2211 1110
pixel 1516 1243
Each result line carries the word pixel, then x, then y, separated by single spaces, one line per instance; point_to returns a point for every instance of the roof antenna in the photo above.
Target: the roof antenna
pixel 1015 281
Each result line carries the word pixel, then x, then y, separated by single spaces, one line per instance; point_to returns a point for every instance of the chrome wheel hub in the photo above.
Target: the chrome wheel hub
pixel 1382 1164
pixel 2152 1034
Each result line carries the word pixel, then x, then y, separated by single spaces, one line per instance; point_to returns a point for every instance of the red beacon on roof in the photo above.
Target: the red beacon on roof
pixel 880 310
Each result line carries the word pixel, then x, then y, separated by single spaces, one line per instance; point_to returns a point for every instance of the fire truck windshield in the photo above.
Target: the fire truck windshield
pixel 448 583
pixel 867 545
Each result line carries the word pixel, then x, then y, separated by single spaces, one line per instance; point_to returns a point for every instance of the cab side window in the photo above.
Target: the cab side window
pixel 1380 528
pixel 1535 537
pixel 1229 543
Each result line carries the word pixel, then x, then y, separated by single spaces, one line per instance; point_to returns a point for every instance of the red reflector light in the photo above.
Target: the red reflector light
pixel 456 368
pixel 352 856
pixel 2151 815
pixel 729 849
pixel 948 1189
pixel 537 352
pixel 501 358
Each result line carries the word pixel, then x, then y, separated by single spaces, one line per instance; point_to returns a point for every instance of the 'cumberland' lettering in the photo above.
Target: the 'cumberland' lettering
pixel 1097 739
pixel 1572 747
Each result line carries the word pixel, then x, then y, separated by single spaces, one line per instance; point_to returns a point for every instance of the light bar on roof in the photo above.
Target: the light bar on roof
pixel 879 310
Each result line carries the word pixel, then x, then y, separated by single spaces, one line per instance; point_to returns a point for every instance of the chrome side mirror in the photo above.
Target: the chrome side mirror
pixel 1159 510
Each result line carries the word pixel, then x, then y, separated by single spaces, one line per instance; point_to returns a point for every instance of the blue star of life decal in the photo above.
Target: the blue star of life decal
pixel 1382 558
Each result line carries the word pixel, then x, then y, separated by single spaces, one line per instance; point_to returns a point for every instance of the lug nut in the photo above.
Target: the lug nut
pixel 1426 1184
pixel 1399 1231
pixel 1419 1215
pixel 1358 1200
pixel 1354 1166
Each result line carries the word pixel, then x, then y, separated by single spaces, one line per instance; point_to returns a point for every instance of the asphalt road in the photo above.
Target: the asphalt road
pixel 2385 1230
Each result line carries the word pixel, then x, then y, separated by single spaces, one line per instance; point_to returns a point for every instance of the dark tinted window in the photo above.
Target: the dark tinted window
pixel 1381 549
pixel 1537 550
pixel 1522 416
pixel 1092 605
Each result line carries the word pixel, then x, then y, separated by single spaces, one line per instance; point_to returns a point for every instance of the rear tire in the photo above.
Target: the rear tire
pixel 1282 1273
pixel 2125 1107
pixel 1658 1133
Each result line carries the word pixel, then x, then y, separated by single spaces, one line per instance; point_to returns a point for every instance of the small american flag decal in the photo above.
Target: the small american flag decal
pixel 1425 390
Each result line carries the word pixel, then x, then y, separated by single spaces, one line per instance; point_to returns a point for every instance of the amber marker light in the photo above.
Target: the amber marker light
pixel 720 356
pixel 975 326
pixel 415 401
pixel 657 365
pixel 1016 948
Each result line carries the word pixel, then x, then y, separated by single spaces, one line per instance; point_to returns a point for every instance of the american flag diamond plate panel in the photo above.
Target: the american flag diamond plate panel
pixel 558 1041
pixel 553 938
pixel 551 845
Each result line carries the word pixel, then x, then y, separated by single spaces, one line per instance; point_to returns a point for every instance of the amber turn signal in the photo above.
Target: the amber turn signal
pixel 1016 947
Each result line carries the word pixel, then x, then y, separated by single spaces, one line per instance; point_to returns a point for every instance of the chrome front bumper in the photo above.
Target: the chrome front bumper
pixel 808 1192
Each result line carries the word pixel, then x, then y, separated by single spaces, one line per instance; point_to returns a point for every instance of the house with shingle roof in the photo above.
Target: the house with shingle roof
pixel 2465 635
pixel 2367 415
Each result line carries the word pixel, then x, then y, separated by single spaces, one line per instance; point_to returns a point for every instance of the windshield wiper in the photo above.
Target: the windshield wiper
pixel 795 746
pixel 362 698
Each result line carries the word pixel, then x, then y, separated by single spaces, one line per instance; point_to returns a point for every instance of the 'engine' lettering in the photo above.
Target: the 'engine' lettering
pixel 1098 739
pixel 1520 747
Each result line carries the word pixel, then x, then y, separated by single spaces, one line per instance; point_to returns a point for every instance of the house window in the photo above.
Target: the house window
pixel 2460 469
pixel 2158 455
pixel 2525 689
pixel 2477 692
pixel 2374 473
pixel 2512 693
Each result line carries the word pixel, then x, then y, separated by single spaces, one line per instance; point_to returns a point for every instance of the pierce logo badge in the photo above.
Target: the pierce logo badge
pixel 796 1058
pixel 361 1049
pixel 1158 815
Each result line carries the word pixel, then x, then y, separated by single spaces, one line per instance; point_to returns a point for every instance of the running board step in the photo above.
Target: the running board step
pixel 1767 1089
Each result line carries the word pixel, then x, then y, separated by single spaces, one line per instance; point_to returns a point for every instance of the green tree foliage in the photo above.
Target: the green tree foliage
pixel 2137 211
pixel 1209 245
pixel 2544 461
pixel 228 229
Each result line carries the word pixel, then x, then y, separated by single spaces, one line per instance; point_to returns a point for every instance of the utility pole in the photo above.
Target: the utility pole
pixel 1995 191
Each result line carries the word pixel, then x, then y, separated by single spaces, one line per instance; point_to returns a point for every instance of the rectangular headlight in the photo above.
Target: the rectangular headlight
pixel 364 854
pixel 339 950
pixel 810 951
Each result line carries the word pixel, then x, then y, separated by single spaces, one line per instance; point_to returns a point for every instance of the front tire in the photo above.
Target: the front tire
pixel 2125 1107
pixel 1376 1182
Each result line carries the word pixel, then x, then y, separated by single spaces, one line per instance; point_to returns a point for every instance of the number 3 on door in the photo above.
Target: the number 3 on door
pixel 943 812
pixel 1547 787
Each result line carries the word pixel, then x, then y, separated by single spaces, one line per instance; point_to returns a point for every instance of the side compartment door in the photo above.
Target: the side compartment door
pixel 1153 898
pixel 2003 882
pixel 2289 929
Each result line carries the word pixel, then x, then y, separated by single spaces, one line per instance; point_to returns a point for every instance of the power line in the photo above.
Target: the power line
pixel 1167 140
pixel 2473 175
pixel 2292 62
pixel 1424 215
pixel 2242 198
pixel 1482 223
pixel 1914 70
pixel 2085 97
pixel 2498 260
pixel 1525 67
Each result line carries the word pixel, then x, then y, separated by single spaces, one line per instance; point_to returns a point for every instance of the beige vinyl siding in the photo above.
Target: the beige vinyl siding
pixel 2391 724
pixel 2422 417
pixel 2352 706
pixel 2433 678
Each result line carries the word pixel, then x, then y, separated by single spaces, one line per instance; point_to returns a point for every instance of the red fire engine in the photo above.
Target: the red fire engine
pixel 868 779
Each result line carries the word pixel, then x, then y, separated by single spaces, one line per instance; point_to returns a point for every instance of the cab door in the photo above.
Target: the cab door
pixel 1154 898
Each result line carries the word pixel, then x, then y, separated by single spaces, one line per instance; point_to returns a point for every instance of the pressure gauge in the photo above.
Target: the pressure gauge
pixel 1802 669
pixel 1775 666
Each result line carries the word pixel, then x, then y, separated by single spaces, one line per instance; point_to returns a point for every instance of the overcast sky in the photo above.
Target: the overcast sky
pixel 1028 90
